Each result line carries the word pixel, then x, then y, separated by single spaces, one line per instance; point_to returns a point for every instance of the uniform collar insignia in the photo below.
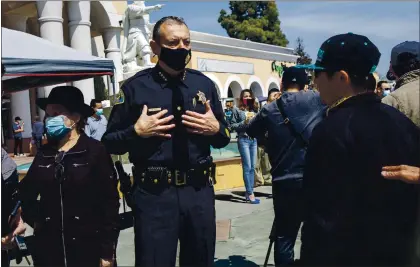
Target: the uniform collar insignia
pixel 165 76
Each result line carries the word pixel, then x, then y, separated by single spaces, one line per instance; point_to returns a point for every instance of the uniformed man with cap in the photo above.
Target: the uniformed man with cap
pixel 289 122
pixel 167 119
pixel 354 216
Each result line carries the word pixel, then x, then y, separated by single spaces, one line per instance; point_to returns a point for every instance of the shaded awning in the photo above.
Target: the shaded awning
pixel 32 62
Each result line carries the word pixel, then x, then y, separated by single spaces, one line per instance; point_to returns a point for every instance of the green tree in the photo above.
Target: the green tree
pixel 101 93
pixel 255 21
pixel 304 57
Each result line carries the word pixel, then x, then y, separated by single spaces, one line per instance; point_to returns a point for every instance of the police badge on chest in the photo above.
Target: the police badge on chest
pixel 200 98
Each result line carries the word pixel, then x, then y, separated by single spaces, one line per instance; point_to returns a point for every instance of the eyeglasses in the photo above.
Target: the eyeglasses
pixel 59 166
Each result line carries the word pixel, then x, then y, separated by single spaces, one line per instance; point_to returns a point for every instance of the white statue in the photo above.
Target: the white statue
pixel 137 29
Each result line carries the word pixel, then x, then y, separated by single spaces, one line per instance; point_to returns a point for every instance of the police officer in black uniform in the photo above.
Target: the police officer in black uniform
pixel 166 119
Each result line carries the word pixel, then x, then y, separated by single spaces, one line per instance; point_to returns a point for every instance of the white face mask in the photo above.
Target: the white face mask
pixel 387 92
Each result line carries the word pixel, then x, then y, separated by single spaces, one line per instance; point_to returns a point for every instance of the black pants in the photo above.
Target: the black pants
pixel 288 210
pixel 38 142
pixel 161 218
pixel 18 143
pixel 5 261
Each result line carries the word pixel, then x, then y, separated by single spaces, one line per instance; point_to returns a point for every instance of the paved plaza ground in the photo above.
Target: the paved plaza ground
pixel 242 231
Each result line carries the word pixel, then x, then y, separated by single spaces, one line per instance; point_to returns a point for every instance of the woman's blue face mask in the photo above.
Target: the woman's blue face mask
pixel 99 112
pixel 56 127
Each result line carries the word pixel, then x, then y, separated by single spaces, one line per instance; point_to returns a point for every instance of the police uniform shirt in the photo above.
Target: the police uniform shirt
pixel 156 89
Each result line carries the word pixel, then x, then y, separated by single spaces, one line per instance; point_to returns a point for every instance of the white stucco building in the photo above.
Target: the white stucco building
pixel 92 27
pixel 95 28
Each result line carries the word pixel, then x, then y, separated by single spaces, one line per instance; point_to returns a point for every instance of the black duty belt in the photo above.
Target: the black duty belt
pixel 163 177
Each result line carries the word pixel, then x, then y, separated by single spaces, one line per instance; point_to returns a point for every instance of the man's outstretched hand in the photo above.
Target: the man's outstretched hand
pixel 407 174
pixel 19 228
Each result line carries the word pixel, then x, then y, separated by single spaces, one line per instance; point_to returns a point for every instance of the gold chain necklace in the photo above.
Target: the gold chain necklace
pixel 340 101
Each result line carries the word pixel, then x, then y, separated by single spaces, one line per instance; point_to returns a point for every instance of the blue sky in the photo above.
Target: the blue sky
pixel 385 23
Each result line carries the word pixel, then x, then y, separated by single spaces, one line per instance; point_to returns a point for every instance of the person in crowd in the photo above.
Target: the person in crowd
pixel 77 223
pixel 273 94
pixel 289 122
pixel 10 227
pixel 247 146
pixel 97 123
pixel 18 129
pixel 228 110
pixel 167 119
pixel 352 216
pixel 382 89
pixel 405 67
pixel 262 166
pixel 38 132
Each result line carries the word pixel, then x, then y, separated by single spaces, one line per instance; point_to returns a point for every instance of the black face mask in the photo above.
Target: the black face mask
pixel 176 59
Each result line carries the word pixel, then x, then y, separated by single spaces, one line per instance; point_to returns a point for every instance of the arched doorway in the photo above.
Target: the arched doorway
pixel 217 84
pixel 273 85
pixel 256 89
pixel 234 91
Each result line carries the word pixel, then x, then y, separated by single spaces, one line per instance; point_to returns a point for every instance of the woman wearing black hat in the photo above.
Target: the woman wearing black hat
pixel 76 223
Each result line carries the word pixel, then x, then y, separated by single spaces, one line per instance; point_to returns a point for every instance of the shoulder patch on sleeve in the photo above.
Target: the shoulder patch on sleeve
pixel 120 97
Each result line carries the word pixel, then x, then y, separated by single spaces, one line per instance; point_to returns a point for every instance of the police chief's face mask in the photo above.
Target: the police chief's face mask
pixel 176 59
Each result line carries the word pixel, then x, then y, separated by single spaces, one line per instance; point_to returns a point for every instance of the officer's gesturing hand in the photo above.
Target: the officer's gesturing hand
pixel 155 125
pixel 205 124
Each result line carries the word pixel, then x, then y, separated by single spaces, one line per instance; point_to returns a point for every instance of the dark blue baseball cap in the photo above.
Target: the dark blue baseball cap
pixel 353 53
pixel 294 75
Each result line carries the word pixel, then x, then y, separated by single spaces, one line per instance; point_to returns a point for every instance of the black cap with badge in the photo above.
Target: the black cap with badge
pixel 353 53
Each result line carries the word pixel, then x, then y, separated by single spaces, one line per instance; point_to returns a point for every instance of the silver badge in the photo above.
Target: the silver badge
pixel 201 97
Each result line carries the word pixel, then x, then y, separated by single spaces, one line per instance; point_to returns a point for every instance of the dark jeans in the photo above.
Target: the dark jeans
pixel 288 210
pixel 38 142
pixel 18 143
pixel 161 218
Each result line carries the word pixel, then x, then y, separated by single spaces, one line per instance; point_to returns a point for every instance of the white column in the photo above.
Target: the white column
pixel 19 101
pixel 80 39
pixel 111 37
pixel 50 17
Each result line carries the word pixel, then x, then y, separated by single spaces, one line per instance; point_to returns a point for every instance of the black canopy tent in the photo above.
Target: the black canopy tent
pixel 32 62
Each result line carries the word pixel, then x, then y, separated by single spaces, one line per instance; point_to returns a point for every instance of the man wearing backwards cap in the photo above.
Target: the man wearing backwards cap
pixel 354 216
